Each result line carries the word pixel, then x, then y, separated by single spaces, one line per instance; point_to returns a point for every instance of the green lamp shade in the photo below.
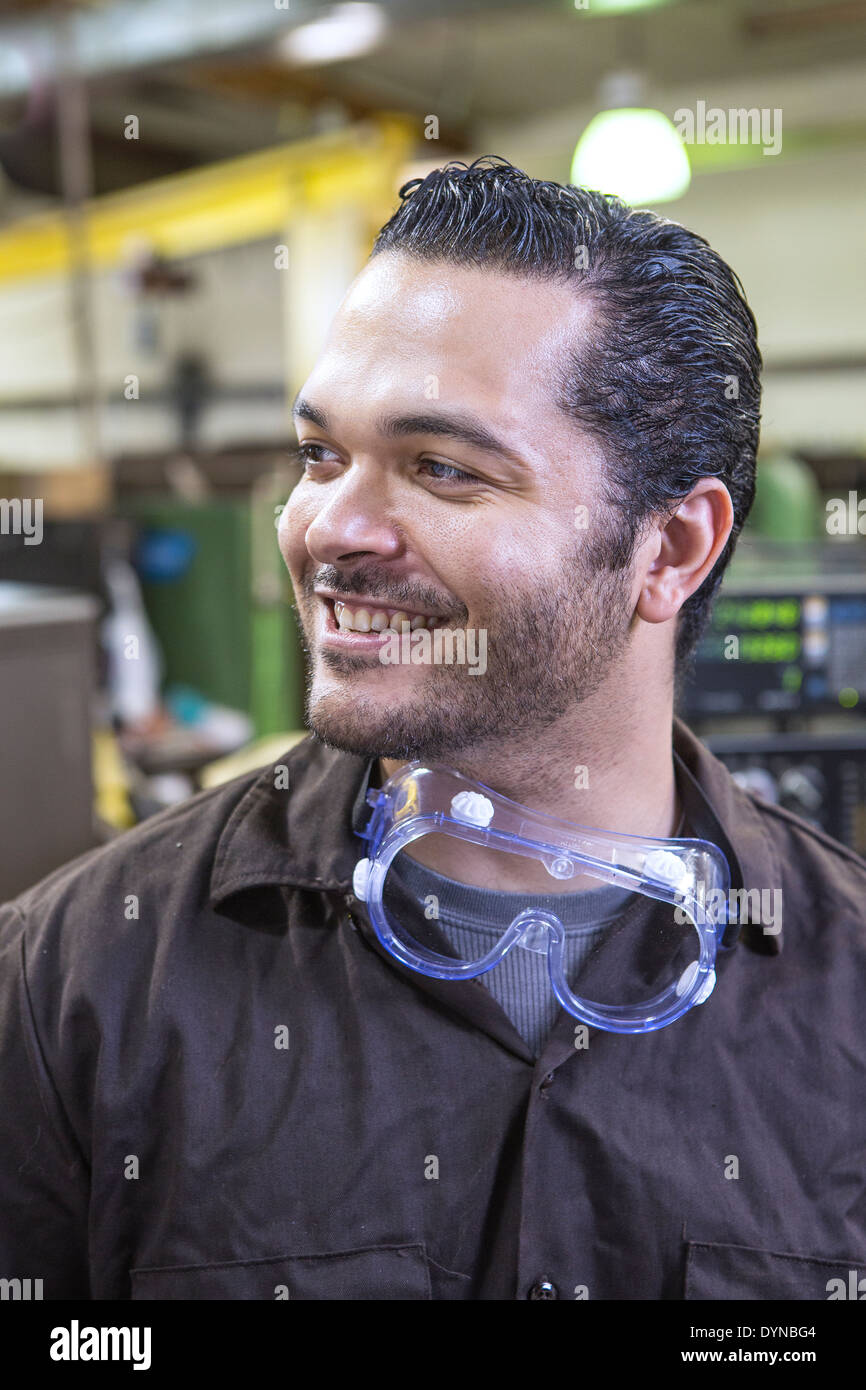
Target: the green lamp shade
pixel 634 152
pixel 787 504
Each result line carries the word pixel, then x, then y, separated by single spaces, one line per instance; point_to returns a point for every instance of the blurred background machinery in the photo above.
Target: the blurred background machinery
pixel 779 684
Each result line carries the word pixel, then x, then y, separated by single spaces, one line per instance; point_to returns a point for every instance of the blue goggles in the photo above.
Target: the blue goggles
pixel 632 973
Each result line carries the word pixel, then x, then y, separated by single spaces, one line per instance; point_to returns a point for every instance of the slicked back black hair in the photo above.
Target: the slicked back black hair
pixel 669 384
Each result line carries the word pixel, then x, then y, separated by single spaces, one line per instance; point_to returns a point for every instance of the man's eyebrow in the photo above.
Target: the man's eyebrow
pixel 305 410
pixel 446 424
pixel 453 426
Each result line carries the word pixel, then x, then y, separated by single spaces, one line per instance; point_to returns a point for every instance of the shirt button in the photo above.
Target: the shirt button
pixel 543 1288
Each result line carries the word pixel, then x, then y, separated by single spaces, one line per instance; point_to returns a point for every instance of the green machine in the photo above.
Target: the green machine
pixel 218 597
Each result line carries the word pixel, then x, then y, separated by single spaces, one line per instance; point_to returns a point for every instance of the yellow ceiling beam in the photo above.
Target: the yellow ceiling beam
pixel 233 201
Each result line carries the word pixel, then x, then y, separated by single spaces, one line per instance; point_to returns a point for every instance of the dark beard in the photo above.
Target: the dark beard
pixel 546 652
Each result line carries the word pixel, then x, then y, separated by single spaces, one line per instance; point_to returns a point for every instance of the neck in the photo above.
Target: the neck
pixel 608 773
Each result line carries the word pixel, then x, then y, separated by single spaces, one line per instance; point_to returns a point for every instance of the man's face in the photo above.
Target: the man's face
pixel 444 484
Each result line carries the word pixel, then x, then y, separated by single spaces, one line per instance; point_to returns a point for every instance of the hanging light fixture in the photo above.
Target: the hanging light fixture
pixel 631 149
pixel 343 31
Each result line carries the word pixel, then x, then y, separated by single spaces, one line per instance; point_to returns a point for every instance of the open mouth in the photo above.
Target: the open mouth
pixel 374 619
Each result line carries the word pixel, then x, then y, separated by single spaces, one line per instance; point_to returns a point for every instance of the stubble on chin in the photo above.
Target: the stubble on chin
pixel 551 649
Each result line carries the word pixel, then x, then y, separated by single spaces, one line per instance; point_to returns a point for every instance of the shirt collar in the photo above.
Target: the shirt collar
pixel 717 809
pixel 297 823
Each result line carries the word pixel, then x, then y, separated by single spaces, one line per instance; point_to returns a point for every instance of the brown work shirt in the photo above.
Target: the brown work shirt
pixel 216 1084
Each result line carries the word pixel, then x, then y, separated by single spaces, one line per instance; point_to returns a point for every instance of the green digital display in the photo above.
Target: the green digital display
pixel 770 646
pixel 753 647
pixel 757 614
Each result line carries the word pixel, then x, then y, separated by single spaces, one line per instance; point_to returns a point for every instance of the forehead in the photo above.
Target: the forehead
pixel 493 338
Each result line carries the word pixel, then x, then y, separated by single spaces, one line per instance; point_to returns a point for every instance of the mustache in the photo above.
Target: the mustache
pixel 382 587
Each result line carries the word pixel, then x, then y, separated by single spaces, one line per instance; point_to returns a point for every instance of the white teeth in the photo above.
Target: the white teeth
pixel 377 620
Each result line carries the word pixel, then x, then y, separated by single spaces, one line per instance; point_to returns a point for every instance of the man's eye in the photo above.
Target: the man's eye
pixel 311 453
pixel 448 473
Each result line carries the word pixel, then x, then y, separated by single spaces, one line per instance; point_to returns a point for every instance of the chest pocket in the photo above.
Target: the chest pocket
pixel 741 1272
pixel 393 1272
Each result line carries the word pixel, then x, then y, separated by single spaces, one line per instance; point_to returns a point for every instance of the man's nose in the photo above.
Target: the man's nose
pixel 353 520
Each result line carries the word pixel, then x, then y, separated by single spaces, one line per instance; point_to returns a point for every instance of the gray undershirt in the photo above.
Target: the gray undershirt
pixel 472 919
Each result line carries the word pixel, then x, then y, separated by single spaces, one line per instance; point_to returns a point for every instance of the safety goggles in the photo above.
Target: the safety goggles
pixel 637 971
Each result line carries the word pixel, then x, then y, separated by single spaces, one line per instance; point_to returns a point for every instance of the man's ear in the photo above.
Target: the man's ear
pixel 684 550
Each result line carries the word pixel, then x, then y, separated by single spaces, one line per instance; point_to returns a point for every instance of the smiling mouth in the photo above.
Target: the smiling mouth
pixel 376 618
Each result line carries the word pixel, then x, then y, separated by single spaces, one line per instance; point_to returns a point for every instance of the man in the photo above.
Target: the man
pixel 534 425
